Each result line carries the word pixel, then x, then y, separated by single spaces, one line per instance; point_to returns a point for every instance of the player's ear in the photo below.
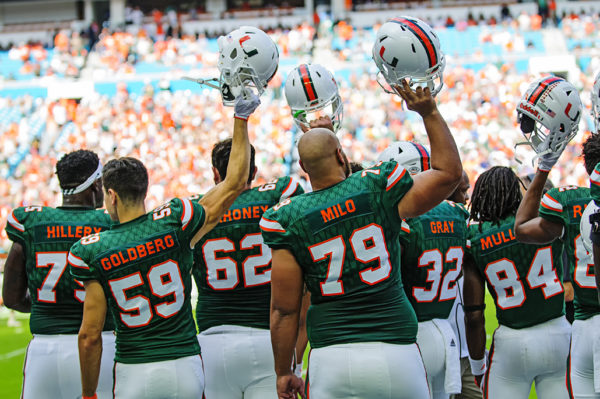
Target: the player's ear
pixel 340 156
pixel 302 166
pixel 216 175
pixel 112 196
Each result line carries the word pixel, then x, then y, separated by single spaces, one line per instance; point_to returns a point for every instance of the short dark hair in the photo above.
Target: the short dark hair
pixel 76 167
pixel 128 177
pixel 496 195
pixel 591 152
pixel 220 158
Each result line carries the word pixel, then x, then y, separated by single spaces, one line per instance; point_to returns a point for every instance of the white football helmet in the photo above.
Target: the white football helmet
pixel 549 114
pixel 248 60
pixel 407 48
pixel 311 91
pixel 596 104
pixel 414 157
pixel 586 227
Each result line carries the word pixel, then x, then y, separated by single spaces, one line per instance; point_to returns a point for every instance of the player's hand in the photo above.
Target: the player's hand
pixel 323 121
pixel 548 160
pixel 245 107
pixel 569 293
pixel 290 386
pixel 419 100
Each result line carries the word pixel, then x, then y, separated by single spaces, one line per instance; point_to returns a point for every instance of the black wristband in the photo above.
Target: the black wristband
pixel 473 308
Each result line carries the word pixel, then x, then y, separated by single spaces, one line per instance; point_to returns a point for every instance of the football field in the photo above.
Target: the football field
pixel 14 343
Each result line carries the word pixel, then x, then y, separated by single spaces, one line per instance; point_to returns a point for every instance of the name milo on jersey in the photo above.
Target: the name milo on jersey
pixel 332 213
pixel 148 249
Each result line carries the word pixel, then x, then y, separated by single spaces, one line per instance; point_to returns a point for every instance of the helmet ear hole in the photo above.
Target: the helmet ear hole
pixel 527 123
pixel 233 54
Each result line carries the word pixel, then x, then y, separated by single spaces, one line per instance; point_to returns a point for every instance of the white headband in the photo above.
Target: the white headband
pixel 83 186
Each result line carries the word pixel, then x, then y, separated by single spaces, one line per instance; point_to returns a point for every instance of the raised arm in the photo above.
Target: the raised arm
pixel 287 285
pixel 529 226
pixel 435 185
pixel 14 289
pixel 474 305
pixel 218 200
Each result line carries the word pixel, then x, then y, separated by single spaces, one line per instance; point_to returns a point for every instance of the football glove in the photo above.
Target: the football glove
pixel 245 105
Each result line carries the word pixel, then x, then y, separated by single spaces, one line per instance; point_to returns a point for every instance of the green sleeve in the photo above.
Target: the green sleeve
pixel 80 264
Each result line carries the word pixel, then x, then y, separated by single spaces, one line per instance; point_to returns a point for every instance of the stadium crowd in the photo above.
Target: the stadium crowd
pixel 173 132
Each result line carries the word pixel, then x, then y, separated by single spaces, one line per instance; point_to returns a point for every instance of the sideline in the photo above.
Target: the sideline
pixel 15 353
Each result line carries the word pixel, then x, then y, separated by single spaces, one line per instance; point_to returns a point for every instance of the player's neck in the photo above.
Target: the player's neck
pixel 322 182
pixel 130 212
pixel 76 201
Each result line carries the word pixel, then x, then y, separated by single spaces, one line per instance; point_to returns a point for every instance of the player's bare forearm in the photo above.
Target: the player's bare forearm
pixel 435 185
pixel 14 289
pixel 474 305
pixel 287 285
pixel 475 333
pixel 90 354
pixel 90 336
pixel 284 333
pixel 218 200
pixel 302 340
pixel 529 226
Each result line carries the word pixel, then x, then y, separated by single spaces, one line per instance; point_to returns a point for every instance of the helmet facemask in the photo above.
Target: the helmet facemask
pixel 543 140
pixel 332 108
pixel 239 82
pixel 387 78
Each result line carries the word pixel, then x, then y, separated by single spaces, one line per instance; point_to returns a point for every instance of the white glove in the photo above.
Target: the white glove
pixel 245 107
pixel 547 161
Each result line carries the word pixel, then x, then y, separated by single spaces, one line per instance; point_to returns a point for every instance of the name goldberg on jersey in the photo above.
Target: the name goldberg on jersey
pixel 148 248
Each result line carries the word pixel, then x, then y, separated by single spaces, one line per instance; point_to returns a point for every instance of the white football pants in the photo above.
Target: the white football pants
pixel 432 344
pixel 581 360
pixel 519 357
pixel 370 370
pixel 181 378
pixel 238 363
pixel 51 368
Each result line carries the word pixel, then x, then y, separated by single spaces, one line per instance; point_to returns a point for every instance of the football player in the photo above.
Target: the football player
pixel 341 240
pixel 232 270
pixel 141 270
pixel 532 341
pixel 35 280
pixel 559 216
pixel 469 389
pixel 433 246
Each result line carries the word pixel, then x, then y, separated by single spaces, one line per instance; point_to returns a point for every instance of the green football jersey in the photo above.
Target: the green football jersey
pixel 232 265
pixel 145 269
pixel 433 246
pixel 46 235
pixel 524 279
pixel 565 205
pixel 345 238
